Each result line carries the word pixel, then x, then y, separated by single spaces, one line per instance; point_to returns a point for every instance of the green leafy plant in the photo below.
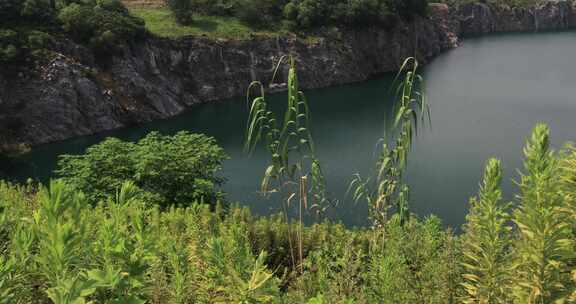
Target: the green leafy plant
pixel 294 170
pixel 181 10
pixel 544 246
pixel 105 25
pixel 487 243
pixel 386 188
pixel 179 169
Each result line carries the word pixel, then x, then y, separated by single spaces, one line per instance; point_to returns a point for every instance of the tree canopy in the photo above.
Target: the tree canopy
pixel 179 169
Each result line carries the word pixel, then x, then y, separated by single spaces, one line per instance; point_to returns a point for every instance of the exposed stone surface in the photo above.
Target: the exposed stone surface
pixel 551 15
pixel 159 78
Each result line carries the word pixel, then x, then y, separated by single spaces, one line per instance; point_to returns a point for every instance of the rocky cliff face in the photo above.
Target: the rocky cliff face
pixel 478 18
pixel 159 78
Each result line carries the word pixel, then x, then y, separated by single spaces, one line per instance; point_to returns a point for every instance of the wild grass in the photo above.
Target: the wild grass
pixel 294 171
pixel 160 22
pixel 385 189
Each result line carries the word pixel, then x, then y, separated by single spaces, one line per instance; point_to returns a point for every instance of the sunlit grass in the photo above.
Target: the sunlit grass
pixel 160 22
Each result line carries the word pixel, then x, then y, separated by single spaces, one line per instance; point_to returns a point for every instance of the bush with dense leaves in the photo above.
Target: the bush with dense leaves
pixel 15 46
pixel 177 169
pixel 22 28
pixel 311 13
pixel 9 45
pixel 258 12
pixel 182 10
pixel 104 26
pixel 302 14
pixel 26 27
pixel 31 11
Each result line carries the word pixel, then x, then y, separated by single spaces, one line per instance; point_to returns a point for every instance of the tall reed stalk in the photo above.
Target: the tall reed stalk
pixel 294 171
pixel 386 189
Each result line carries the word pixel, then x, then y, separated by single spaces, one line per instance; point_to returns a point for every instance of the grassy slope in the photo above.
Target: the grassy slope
pixel 160 22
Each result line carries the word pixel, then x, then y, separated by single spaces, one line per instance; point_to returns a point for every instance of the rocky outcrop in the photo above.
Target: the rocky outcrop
pixel 479 18
pixel 75 94
pixel 159 78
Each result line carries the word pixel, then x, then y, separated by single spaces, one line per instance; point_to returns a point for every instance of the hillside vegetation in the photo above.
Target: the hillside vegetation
pixel 241 18
pixel 161 22
pixel 29 29
pixel 301 14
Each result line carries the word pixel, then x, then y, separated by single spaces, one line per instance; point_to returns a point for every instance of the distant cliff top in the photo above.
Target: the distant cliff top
pixel 144 3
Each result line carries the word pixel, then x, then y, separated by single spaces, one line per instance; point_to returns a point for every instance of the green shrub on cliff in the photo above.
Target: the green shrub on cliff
pixel 258 12
pixel 305 14
pixel 182 11
pixel 24 27
pixel 27 27
pixel 16 46
pixel 311 13
pixel 9 45
pixel 26 11
pixel 177 169
pixel 104 25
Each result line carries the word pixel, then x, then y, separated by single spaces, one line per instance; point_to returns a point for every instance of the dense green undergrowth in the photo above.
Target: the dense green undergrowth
pixel 305 16
pixel 301 15
pixel 56 247
pixel 29 29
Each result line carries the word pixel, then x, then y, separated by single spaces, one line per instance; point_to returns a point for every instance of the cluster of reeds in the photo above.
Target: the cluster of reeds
pixel 386 188
pixel 294 171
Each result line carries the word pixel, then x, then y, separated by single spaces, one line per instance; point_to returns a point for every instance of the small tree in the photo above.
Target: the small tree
pixel 258 12
pixel 104 26
pixel 181 10
pixel 179 169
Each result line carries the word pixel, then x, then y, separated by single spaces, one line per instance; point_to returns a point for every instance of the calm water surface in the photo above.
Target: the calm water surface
pixel 485 97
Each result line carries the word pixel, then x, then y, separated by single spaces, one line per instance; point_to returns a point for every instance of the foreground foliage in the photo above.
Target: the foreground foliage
pixel 55 247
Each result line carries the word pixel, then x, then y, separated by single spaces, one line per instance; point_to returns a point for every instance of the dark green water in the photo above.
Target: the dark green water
pixel 485 97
